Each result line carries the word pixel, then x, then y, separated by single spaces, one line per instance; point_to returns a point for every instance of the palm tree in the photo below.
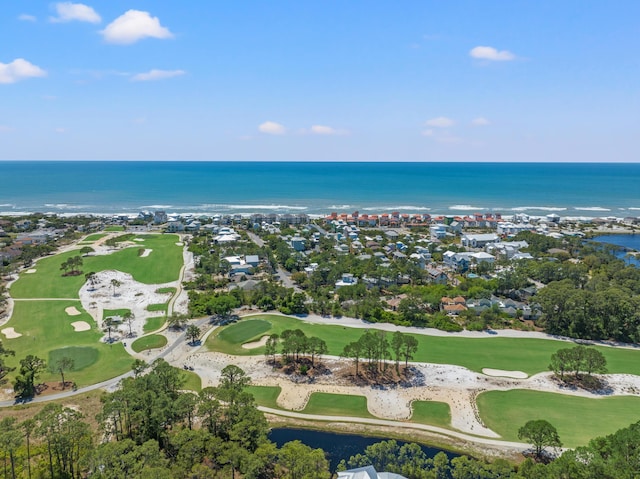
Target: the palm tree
pixel 193 333
pixel 116 284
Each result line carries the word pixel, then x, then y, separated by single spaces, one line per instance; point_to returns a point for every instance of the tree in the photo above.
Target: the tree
pixel 10 440
pixel 92 279
pixel 316 347
pixel 594 361
pixel 560 361
pixel 353 350
pixel 109 324
pixel 540 434
pixel 28 426
pixel 128 318
pixel 176 321
pixel 115 284
pixel 409 347
pixel 85 250
pixel 4 369
pixel 138 367
pixel 63 364
pixel 271 346
pixel 30 369
pixel 302 462
pixel 193 333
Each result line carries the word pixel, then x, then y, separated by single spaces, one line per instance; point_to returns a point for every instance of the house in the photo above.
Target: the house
pixel 252 259
pixel 438 231
pixel 175 227
pixel 437 276
pixel 479 240
pixel 347 280
pixel 298 243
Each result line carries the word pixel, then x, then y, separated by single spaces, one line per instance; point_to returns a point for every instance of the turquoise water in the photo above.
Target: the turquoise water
pixel 318 188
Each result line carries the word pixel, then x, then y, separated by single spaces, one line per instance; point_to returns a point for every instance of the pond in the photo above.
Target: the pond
pixel 628 242
pixel 338 446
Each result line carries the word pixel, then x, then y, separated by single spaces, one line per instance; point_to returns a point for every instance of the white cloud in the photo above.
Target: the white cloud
pixel 157 75
pixel 132 26
pixel 480 121
pixel 25 17
pixel 440 122
pixel 19 69
pixel 490 53
pixel 272 128
pixel 68 12
pixel 326 130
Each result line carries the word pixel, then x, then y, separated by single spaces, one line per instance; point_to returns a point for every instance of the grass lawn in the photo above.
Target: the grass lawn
pixel 158 307
pixel 192 380
pixel 47 282
pixel 114 228
pixel 266 396
pixel 153 341
pixel 93 237
pixel 577 419
pixel 46 328
pixel 433 413
pixel 82 357
pixel 170 290
pixel 326 404
pixel 153 324
pixel 528 355
pixel 114 312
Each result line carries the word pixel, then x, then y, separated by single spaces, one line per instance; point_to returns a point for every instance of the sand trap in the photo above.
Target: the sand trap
pixel 80 326
pixel 256 344
pixel 146 253
pixel 72 311
pixel 179 243
pixel 138 239
pixel 30 271
pixel 505 374
pixel 10 333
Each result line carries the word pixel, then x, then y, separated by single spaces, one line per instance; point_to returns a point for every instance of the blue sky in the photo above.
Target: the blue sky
pixel 424 80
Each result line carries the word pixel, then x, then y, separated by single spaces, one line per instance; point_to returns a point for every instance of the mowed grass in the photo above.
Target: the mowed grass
pixel 111 313
pixel 82 357
pixel 153 324
pixel 192 381
pixel 114 228
pixel 47 282
pixel 94 237
pixel 266 396
pixel 512 354
pixel 46 328
pixel 153 341
pixel 156 307
pixel 434 413
pixel 325 404
pixel 577 419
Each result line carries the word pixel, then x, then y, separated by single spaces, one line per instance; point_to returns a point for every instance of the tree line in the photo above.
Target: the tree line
pixel 374 347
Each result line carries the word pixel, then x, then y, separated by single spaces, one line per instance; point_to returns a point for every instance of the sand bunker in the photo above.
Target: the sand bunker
pixel 10 333
pixel 146 253
pixel 72 311
pixel 256 344
pixel 30 271
pixel 80 326
pixel 179 243
pixel 138 239
pixel 505 374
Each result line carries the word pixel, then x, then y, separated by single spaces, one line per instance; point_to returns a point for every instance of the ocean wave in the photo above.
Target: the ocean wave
pixel 465 207
pixel 252 207
pixel 633 208
pixel 340 207
pixel 591 208
pixel 396 208
pixel 66 206
pixel 156 207
pixel 539 208
pixel 7 205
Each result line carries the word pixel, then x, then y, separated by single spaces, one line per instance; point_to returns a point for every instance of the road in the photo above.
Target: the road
pixel 283 274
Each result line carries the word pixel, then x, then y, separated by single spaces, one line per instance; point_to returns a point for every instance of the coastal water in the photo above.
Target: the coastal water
pixel 629 243
pixel 567 189
pixel 337 446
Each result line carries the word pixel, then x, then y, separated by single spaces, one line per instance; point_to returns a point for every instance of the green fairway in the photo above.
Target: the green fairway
pixel 192 380
pixel 46 330
pixel 47 282
pixel 82 357
pixel 94 237
pixel 112 313
pixel 577 419
pixel 244 331
pixel 153 341
pixel 529 355
pixel 326 404
pixel 266 396
pixel 114 228
pixel 433 413
pixel 154 308
pixel 153 324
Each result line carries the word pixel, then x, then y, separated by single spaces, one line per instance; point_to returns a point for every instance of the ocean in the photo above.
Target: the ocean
pixel 110 187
